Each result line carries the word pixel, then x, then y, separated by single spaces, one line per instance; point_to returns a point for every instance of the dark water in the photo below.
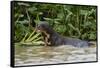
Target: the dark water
pixel 34 55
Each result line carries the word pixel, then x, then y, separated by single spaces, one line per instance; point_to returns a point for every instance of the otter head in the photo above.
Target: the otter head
pixel 42 27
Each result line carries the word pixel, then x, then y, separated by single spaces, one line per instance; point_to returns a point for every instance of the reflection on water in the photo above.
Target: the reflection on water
pixel 35 55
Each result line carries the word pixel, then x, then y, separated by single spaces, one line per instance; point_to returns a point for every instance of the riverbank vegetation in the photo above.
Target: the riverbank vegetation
pixel 74 21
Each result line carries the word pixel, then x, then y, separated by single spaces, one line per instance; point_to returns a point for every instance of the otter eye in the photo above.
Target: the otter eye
pixel 38 27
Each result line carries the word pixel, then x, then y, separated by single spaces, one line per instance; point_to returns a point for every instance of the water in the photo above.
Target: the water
pixel 36 55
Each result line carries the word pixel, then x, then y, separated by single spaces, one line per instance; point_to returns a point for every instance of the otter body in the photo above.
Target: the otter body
pixel 52 38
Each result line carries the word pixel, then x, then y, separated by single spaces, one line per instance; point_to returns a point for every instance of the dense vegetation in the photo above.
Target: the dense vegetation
pixel 68 20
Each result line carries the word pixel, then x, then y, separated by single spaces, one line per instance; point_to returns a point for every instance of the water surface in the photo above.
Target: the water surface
pixel 36 55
